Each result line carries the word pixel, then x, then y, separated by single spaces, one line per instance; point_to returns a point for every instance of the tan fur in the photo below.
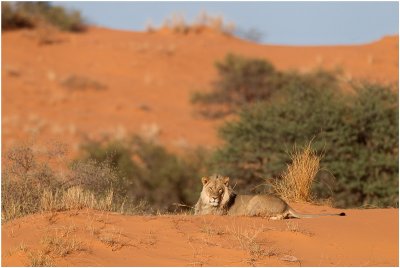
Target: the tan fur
pixel 218 198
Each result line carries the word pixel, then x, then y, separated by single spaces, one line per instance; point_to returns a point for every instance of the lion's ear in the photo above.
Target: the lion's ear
pixel 226 181
pixel 205 180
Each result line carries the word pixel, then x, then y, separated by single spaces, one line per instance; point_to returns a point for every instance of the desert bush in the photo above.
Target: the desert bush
pixel 65 20
pixel 11 19
pixel 363 154
pixel 29 185
pixel 241 80
pixel 245 81
pixel 357 134
pixel 23 180
pixel 33 14
pixel 147 171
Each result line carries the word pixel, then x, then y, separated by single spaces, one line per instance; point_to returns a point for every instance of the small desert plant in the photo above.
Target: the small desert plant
pixel 179 25
pixel 77 82
pixel 295 183
pixel 216 23
pixel 294 227
pixel 61 247
pixel 210 228
pixel 39 259
pixel 245 237
pixel 248 240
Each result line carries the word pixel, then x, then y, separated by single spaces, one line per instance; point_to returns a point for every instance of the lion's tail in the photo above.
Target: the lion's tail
pixel 295 214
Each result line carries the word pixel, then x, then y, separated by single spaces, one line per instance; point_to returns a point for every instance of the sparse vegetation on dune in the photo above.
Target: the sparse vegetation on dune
pixel 134 176
pixel 357 134
pixel 178 24
pixel 37 14
pixel 22 183
pixel 29 185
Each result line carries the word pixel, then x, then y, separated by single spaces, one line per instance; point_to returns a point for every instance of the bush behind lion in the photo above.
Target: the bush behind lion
pixel 357 134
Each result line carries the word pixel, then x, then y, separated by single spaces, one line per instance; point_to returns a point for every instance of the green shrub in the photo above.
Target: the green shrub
pixel 245 81
pixel 241 81
pixel 363 153
pixel 32 14
pixel 357 134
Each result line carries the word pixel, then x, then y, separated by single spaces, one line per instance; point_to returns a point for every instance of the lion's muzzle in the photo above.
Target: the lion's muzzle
pixel 214 201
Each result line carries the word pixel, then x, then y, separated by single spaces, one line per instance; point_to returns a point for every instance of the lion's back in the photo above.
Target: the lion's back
pixel 257 205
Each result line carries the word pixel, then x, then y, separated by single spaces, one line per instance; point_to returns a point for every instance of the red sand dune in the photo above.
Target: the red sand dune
pixel 148 77
pixel 362 238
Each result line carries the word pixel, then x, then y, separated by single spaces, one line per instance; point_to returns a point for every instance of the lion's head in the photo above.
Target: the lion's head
pixel 216 191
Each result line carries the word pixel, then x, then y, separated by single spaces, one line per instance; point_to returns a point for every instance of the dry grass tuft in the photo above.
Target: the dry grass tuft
pixel 61 247
pixel 200 258
pixel 209 228
pixel 66 230
pixel 295 228
pixel 77 198
pixel 178 24
pixel 245 237
pixel 23 247
pixel 150 239
pixel 74 198
pixel 114 239
pixel 249 241
pixel 295 183
pixel 39 259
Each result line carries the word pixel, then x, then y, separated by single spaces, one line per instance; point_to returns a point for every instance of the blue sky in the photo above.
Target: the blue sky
pixel 289 23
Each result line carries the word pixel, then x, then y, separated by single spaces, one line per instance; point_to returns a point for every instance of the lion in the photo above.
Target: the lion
pixel 218 198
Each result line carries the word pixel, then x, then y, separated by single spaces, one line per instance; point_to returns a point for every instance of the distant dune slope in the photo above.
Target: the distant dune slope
pixel 107 82
pixel 92 238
